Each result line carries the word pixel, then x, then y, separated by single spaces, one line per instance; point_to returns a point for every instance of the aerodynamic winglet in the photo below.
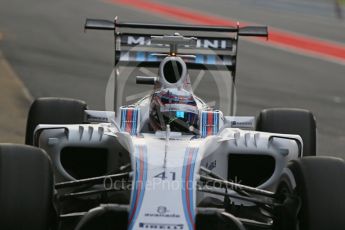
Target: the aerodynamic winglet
pixel 99 24
pixel 258 31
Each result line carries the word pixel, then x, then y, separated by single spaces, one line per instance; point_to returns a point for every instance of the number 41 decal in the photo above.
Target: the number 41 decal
pixel 166 175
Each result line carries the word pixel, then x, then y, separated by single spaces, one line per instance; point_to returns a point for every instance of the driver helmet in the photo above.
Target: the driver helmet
pixel 175 107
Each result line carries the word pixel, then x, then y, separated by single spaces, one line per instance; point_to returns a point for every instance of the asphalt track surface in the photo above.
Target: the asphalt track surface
pixel 45 43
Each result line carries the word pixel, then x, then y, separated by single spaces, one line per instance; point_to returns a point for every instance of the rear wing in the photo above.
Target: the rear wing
pixel 210 52
pixel 100 24
pixel 138 48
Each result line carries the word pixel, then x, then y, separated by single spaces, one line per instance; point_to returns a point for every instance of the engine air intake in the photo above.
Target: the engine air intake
pixel 172 71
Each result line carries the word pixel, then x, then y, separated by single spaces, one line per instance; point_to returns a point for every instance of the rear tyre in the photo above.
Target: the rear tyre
pixel 53 111
pixel 290 121
pixel 26 188
pixel 319 184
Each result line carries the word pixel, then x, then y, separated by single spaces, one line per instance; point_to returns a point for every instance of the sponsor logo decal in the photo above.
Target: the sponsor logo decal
pixel 211 165
pixel 162 211
pixel 200 43
pixel 96 119
pixel 238 123
pixel 160 226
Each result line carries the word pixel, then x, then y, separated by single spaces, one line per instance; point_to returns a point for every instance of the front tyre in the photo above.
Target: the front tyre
pixel 26 188
pixel 319 184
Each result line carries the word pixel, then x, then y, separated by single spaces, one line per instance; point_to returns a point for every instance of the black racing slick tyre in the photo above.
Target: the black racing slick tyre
pixel 53 111
pixel 319 185
pixel 105 217
pixel 290 121
pixel 26 188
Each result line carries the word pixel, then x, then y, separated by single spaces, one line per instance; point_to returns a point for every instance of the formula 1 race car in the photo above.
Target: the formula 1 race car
pixel 170 160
